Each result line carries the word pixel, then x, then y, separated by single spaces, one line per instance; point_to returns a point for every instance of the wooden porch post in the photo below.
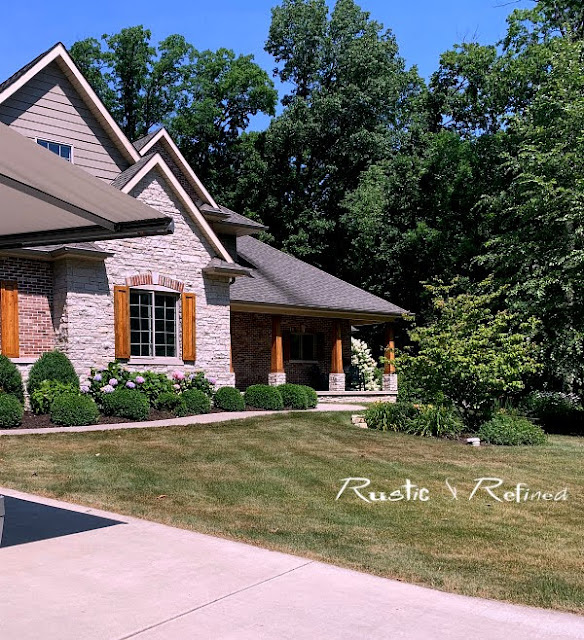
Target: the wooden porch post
pixel 337 374
pixel 277 374
pixel 389 349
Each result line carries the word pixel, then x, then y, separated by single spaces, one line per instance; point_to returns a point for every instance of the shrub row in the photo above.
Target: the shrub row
pixel 284 396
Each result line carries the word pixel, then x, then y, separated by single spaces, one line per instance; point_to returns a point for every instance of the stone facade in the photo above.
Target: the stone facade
pixel 251 335
pixel 337 382
pixel 84 292
pixel 389 382
pixel 275 379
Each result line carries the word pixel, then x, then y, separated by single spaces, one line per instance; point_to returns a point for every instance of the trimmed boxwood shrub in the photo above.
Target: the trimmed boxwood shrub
pixel 43 397
pixel 168 401
pixel 10 410
pixel 311 396
pixel 508 428
pixel 126 403
pixel 263 396
pixel 293 396
pixel 193 402
pixel 10 379
pixel 52 365
pixel 70 409
pixel 229 399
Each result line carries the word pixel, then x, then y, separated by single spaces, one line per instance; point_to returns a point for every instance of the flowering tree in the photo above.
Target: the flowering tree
pixel 365 365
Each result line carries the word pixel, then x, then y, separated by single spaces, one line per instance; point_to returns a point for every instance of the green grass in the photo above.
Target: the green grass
pixel 272 482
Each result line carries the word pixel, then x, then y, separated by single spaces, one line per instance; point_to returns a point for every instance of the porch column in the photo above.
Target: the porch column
pixel 389 374
pixel 277 374
pixel 337 374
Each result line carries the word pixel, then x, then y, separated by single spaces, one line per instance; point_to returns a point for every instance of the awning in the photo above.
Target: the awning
pixel 47 200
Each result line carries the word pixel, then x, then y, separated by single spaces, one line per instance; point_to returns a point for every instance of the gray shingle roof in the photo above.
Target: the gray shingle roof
pixel 15 76
pixel 280 279
pixel 144 140
pixel 122 180
pixel 237 219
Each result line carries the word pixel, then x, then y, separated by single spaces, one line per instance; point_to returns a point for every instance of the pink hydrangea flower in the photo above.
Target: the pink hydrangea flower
pixel 97 377
pixel 213 380
pixel 113 382
pixel 140 380
pixel 178 375
pixel 130 385
pixel 107 389
pixel 84 388
pixel 176 386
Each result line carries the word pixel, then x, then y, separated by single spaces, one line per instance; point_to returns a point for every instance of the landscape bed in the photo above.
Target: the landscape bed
pixel 272 481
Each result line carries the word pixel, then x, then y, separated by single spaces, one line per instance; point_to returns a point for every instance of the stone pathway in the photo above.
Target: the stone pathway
pixel 207 418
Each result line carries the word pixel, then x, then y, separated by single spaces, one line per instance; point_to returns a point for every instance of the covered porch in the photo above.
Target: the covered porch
pixel 305 347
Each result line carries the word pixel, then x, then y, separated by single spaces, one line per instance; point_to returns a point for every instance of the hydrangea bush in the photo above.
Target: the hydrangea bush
pixel 365 365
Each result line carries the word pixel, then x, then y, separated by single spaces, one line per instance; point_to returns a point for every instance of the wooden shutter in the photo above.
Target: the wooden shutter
pixel 122 321
pixel 189 327
pixel 9 319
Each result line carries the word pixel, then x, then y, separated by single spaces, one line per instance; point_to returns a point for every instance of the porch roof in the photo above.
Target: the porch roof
pixel 47 200
pixel 287 284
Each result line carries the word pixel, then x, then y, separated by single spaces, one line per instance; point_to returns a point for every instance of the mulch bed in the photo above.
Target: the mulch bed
pixel 33 421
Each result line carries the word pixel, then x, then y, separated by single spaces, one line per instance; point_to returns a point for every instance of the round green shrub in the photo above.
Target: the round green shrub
pixel 10 410
pixel 126 403
pixel 512 429
pixel 263 396
pixel 168 401
pixel 43 397
pixel 10 379
pixel 293 396
pixel 229 399
pixel 70 409
pixel 193 402
pixel 52 365
pixel 311 396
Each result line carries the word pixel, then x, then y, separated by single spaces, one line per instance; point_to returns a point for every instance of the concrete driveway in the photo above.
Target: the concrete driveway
pixel 110 577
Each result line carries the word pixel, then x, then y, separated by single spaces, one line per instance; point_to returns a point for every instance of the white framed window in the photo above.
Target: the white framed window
pixel 153 324
pixel 64 151
pixel 303 347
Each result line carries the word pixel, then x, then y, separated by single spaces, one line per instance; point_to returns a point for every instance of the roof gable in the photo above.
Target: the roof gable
pixel 132 176
pixel 59 55
pixel 161 138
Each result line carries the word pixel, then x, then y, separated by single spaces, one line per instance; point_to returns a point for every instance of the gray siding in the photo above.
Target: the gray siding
pixel 48 107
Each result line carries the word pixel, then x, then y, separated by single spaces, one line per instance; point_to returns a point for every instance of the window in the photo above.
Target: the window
pixel 62 150
pixel 303 347
pixel 152 324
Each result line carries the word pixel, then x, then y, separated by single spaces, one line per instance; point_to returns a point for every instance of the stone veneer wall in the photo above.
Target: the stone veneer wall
pixel 35 298
pixel 251 335
pixel 84 291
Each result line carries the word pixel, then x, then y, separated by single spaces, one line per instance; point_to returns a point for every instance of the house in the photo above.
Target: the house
pixel 184 284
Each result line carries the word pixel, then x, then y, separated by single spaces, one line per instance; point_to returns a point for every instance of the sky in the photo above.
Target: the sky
pixel 423 28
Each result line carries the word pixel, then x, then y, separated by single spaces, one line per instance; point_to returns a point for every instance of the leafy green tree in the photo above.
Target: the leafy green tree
pixel 205 98
pixel 473 354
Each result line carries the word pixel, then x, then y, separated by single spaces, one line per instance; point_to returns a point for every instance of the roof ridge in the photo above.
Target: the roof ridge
pixel 29 65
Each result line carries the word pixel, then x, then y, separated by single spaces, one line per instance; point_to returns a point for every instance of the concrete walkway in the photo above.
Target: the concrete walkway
pixel 207 418
pixel 148 581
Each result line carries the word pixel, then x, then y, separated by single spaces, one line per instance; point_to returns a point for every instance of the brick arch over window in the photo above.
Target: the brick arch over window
pixel 153 278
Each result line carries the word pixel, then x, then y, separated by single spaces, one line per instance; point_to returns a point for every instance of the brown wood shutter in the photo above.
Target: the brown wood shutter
pixel 189 326
pixel 9 319
pixel 286 345
pixel 122 321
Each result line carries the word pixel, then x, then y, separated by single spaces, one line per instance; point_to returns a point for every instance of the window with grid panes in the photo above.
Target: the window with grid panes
pixel 153 323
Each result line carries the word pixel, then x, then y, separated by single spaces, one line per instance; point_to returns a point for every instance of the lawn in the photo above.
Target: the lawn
pixel 273 481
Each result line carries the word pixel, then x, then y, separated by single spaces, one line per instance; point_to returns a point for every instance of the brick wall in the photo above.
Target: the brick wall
pixel 251 336
pixel 35 300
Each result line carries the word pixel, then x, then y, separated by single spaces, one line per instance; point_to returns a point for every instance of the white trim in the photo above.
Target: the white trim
pixel 163 135
pixel 158 161
pixel 61 144
pixel 60 55
pixel 177 321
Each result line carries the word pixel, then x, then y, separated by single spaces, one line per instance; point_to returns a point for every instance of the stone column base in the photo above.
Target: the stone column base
pixel 336 382
pixel 274 379
pixel 390 382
